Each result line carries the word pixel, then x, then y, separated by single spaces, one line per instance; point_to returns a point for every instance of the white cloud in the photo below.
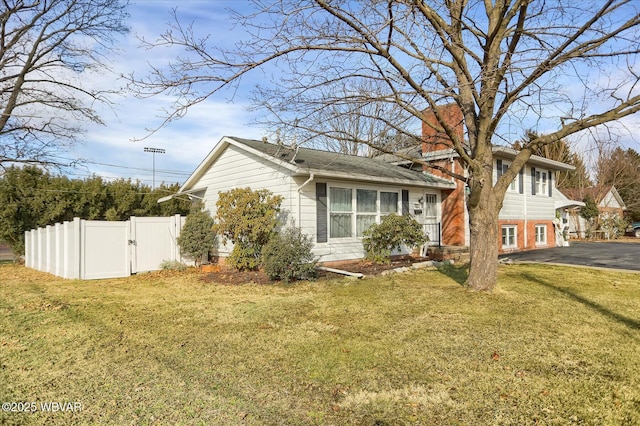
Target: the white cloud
pixel 187 141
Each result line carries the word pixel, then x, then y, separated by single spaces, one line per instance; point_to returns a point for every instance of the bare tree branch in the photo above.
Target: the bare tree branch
pixel 558 67
pixel 45 46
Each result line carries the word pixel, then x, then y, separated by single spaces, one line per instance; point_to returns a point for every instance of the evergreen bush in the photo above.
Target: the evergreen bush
pixel 247 218
pixel 197 236
pixel 287 256
pixel 393 232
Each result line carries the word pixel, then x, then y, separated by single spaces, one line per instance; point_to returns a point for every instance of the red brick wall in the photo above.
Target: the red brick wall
pixel 433 136
pixel 435 139
pixel 453 208
pixel 531 234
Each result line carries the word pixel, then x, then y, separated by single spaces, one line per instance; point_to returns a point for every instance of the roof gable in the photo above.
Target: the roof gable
pixel 598 194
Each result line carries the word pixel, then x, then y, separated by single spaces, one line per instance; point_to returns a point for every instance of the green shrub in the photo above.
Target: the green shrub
pixel 614 226
pixel 197 236
pixel 590 210
pixel 393 232
pixel 287 256
pixel 247 218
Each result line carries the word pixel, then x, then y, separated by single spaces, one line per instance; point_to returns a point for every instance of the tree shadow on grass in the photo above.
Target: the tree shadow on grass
pixel 603 310
pixel 458 273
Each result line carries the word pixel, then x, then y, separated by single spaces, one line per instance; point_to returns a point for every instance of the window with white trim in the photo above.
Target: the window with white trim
pixel 542 182
pixel 509 236
pixel 340 212
pixel 513 186
pixel 367 209
pixel 357 209
pixel 541 234
pixel 502 167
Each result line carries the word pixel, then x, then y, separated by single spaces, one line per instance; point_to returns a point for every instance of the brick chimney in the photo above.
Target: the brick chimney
pixel 434 137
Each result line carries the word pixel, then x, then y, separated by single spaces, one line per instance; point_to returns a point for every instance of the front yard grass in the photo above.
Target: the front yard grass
pixel 552 345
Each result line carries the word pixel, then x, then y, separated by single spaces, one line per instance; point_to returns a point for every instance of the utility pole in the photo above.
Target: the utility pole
pixel 154 151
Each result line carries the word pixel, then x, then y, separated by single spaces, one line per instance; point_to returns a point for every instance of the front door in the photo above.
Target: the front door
pixel 430 218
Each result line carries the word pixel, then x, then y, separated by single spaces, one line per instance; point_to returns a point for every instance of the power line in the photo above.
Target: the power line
pixel 175 172
pixel 112 178
pixel 119 166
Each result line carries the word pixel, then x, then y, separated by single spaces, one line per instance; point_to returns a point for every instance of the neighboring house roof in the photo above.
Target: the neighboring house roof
pixel 564 202
pixel 507 153
pixel 301 161
pixel 598 194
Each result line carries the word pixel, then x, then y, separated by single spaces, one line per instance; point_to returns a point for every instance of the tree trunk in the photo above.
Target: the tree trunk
pixel 483 250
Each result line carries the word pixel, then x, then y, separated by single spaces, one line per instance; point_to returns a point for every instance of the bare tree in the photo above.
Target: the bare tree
pixel 46 50
pixel 352 128
pixel 621 168
pixel 562 151
pixel 510 65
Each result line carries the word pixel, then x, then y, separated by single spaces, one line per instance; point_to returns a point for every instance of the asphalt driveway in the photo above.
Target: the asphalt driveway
pixel 615 255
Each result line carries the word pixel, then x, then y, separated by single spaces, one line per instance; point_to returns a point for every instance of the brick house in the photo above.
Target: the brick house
pixel 528 216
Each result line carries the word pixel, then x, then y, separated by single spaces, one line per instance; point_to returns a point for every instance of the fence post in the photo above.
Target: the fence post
pixel 176 222
pixel 51 249
pixel 36 250
pixel 131 245
pixel 71 266
pixel 27 246
pixel 82 247
pixel 59 248
pixel 66 238
pixel 42 247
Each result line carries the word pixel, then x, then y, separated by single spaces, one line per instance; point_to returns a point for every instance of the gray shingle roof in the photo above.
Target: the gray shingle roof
pixel 325 163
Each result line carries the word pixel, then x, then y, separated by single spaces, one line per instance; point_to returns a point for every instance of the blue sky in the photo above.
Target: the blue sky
pixel 114 150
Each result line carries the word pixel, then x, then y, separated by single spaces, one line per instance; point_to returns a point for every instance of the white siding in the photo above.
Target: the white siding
pixel 344 248
pixel 306 217
pixel 610 201
pixel 235 168
pixel 527 206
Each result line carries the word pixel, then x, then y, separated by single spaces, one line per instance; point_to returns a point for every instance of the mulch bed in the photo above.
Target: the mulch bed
pixel 232 277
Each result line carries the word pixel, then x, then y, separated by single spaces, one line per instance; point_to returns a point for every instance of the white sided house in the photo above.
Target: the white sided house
pixel 529 215
pixel 527 219
pixel 611 208
pixel 332 197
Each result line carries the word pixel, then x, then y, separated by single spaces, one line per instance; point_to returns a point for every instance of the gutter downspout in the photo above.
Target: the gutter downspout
pixel 526 218
pixel 311 177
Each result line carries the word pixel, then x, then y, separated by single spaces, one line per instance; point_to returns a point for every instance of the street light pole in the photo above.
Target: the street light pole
pixel 154 151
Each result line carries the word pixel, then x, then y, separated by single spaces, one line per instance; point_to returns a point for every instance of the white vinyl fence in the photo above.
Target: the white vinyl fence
pixel 94 249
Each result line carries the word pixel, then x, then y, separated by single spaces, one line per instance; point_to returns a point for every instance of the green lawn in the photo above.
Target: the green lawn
pixel 551 345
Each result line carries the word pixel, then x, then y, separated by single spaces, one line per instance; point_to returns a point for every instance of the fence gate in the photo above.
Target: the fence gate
pixel 94 249
pixel 104 251
pixel 152 241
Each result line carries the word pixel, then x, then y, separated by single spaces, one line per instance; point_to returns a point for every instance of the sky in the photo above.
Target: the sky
pixel 116 149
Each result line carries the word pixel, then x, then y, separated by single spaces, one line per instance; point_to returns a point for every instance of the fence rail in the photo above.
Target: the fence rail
pixel 92 249
pixel 433 232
